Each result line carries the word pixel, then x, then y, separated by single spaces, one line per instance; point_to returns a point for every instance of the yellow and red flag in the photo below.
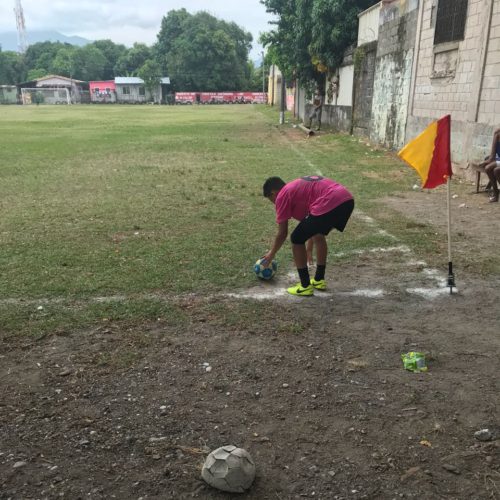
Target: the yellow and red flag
pixel 429 153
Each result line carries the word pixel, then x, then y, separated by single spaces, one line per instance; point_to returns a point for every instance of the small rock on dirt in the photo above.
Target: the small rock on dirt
pixel 451 468
pixel 18 465
pixel 483 435
pixel 409 473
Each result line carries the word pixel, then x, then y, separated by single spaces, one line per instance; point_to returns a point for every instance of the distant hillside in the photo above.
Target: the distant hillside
pixel 8 41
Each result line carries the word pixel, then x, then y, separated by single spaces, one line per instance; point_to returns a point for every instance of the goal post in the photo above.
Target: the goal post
pixel 45 95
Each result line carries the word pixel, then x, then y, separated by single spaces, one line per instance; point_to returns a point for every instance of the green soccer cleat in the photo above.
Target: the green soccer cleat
pixel 300 291
pixel 319 285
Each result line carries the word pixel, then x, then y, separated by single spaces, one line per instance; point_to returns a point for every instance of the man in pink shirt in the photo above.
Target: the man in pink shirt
pixel 320 204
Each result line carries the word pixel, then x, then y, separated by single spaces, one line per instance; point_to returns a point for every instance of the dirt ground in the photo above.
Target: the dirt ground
pixel 313 388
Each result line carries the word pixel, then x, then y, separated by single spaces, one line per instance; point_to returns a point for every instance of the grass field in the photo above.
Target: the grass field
pixel 136 201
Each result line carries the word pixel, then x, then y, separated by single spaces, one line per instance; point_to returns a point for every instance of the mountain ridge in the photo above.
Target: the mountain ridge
pixel 8 40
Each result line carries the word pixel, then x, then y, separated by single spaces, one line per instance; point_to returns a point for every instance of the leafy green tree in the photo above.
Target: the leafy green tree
pixel 12 69
pixel 311 36
pixel 64 62
pixel 89 63
pixel 42 54
pixel 133 59
pixel 172 28
pixel 256 78
pixel 35 74
pixel 112 53
pixel 203 53
pixel 81 63
pixel 150 72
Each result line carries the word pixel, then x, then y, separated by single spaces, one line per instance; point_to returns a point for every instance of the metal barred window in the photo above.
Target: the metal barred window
pixel 450 21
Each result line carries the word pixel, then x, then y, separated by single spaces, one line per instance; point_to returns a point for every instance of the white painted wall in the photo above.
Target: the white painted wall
pixel 346 82
pixel 368 24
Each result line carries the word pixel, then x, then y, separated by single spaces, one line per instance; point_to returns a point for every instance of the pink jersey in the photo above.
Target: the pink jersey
pixel 311 195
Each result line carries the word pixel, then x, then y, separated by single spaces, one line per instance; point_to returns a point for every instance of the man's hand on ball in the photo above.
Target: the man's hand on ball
pixel 267 259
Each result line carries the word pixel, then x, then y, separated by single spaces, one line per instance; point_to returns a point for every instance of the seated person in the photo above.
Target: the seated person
pixel 492 166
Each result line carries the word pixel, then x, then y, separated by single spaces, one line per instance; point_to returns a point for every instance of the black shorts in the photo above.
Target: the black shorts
pixel 323 224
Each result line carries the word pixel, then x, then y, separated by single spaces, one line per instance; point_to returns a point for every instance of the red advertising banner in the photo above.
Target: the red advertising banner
pixel 220 97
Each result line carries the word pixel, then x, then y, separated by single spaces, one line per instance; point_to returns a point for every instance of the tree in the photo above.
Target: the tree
pixel 35 74
pixel 256 78
pixel 172 28
pixel 112 53
pixel 89 63
pixel 203 53
pixel 311 36
pixel 64 63
pixel 150 72
pixel 12 69
pixel 134 58
pixel 42 54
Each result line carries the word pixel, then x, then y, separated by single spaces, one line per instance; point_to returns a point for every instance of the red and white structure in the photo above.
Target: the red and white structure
pixel 220 97
pixel 102 91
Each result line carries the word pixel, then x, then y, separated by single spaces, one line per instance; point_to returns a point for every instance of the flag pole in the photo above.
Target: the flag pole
pixel 451 276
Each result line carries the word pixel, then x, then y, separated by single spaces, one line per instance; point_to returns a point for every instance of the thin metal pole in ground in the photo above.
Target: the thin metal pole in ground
pixel 283 100
pixel 451 276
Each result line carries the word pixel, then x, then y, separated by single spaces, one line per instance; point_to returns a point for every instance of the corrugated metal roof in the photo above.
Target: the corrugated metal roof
pixel 128 80
pixel 50 77
pixel 134 80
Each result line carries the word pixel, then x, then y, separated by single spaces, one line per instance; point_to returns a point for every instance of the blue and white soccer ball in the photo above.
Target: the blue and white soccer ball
pixel 265 273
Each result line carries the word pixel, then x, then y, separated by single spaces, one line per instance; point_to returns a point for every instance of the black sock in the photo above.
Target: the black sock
pixel 320 273
pixel 305 280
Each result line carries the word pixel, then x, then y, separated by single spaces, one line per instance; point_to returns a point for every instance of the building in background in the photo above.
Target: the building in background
pixel 457 72
pixel 8 94
pixel 131 89
pixel 77 89
pixel 102 91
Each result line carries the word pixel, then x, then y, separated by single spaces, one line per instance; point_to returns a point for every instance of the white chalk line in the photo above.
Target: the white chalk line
pixel 440 286
pixel 263 293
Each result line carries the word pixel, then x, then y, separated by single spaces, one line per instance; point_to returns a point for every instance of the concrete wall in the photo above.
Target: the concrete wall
pixel 338 117
pixel 363 89
pixel 300 103
pixel 274 86
pixel 489 105
pixel 393 74
pixel 461 78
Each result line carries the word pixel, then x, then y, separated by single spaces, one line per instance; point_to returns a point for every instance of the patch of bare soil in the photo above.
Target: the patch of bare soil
pixel 475 222
pixel 314 389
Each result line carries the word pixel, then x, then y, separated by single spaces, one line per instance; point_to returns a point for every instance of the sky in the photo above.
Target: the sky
pixel 128 21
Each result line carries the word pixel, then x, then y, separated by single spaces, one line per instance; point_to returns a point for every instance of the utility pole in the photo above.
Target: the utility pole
pixel 283 100
pixel 272 92
pixel 263 78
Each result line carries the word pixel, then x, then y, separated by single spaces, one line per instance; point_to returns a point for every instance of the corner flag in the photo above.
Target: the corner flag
pixel 429 153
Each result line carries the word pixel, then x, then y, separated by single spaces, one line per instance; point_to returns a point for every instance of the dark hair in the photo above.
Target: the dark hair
pixel 272 184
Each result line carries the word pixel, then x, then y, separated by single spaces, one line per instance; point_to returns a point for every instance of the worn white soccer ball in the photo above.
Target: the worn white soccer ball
pixel 229 469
